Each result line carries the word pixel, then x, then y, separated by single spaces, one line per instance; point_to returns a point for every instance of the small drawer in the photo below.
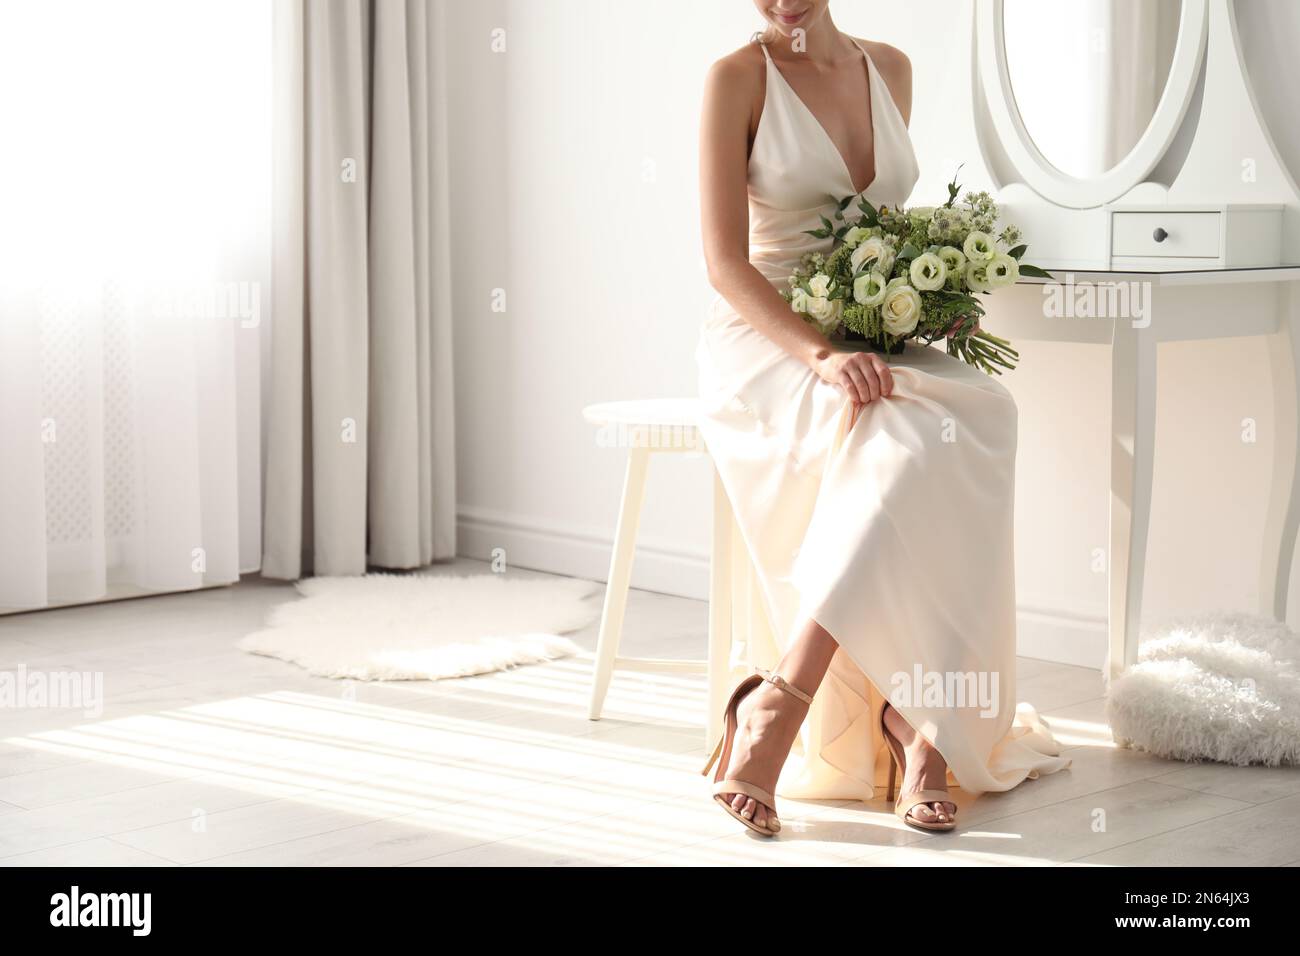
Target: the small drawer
pixel 1182 234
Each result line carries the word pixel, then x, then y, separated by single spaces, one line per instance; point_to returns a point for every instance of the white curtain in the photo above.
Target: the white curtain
pixel 360 468
pixel 134 185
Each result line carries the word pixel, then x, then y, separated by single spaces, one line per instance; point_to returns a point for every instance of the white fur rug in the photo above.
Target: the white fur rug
pixel 1222 687
pixel 424 627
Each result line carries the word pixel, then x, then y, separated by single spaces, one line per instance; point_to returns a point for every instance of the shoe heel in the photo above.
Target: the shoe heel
pixel 730 723
pixel 903 806
pixel 714 759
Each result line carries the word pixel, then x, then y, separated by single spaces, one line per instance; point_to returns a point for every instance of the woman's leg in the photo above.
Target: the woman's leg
pixel 769 718
pixel 926 769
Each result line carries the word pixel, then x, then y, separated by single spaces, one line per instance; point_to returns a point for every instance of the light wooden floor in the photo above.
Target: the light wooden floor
pixel 207 755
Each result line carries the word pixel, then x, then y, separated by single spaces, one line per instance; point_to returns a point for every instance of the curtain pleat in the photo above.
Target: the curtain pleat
pixel 360 440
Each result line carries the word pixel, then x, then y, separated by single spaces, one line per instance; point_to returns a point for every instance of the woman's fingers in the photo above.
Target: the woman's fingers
pixel 886 376
pixel 870 374
pixel 859 383
pixel 865 377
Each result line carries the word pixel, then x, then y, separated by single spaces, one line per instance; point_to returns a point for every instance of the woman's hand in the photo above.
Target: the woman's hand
pixel 862 376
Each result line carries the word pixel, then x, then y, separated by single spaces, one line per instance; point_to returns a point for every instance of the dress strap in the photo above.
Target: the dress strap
pixel 758 38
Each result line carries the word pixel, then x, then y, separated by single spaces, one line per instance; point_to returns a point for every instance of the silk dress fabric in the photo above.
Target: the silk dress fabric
pixel 893 530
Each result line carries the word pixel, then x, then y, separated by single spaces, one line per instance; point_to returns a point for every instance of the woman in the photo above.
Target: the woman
pixel 874 497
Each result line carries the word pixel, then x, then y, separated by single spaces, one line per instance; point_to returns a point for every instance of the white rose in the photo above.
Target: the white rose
pixel 979 247
pixel 873 248
pixel 856 235
pixel 901 310
pixel 1004 270
pixel 799 300
pixel 869 288
pixel 819 286
pixel 928 272
pixel 825 312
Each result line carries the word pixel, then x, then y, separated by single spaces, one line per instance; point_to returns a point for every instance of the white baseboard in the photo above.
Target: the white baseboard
pixel 1064 637
pixel 538 547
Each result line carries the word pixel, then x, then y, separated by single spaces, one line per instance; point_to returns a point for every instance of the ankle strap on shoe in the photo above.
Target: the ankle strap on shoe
pixel 776 680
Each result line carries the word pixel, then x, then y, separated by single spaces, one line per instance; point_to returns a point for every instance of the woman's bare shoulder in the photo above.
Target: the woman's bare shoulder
pixel 739 72
pixel 896 69
pixel 889 60
pixel 892 63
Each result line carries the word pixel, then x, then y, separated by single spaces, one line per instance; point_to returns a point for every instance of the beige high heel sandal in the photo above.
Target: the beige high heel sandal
pixel 904 805
pixel 723 751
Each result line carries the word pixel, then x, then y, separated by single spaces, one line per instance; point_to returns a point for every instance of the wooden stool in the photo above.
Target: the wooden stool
pixel 645 428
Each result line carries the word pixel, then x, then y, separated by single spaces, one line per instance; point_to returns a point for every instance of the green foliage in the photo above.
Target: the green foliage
pixel 952 313
pixel 953 187
pixel 862 319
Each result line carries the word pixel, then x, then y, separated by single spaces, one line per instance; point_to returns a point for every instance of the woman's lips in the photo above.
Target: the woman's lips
pixel 789 19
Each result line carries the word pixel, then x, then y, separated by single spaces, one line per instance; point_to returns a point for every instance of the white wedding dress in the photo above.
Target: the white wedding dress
pixel 893 531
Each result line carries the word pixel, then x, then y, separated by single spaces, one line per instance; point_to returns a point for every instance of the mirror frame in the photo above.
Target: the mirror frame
pixel 1035 169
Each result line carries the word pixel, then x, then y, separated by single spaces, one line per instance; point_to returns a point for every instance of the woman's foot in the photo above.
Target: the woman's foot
pixel 768 720
pixel 926 769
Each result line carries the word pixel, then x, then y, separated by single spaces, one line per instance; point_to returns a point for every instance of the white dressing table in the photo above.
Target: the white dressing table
pixel 1183 306
pixel 1186 202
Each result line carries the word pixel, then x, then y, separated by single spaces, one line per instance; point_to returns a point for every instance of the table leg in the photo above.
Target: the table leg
pixel 720 586
pixel 1133 394
pixel 620 577
pixel 1283 518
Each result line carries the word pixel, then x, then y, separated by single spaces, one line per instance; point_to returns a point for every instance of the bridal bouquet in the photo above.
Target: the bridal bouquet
pixel 898 274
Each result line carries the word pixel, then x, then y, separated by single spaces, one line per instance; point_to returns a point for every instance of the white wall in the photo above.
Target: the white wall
pixel 575 171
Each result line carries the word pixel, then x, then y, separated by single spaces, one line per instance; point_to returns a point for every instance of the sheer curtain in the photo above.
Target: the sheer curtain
pixel 134 225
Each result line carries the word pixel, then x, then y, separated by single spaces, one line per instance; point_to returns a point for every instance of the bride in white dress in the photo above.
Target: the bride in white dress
pixel 875 497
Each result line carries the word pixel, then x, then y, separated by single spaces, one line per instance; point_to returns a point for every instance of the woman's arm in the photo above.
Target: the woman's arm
pixel 729 91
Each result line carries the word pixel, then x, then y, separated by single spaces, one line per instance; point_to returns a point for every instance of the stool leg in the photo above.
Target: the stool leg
pixel 620 575
pixel 719 613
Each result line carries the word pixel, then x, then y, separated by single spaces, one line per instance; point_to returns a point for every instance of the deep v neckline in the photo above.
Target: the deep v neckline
pixel 826 136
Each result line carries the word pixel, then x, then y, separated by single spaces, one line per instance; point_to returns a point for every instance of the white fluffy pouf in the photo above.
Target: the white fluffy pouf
pixel 1223 687
pixel 423 626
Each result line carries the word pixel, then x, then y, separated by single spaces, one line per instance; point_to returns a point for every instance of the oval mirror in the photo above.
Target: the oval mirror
pixel 1087 75
pixel 1085 96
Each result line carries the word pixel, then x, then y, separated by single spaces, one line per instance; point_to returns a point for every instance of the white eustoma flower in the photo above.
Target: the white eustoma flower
pixel 876 248
pixel 819 286
pixel 1004 270
pixel 953 258
pixel 977 277
pixel 979 247
pixel 799 300
pixel 869 288
pixel 856 235
pixel 928 272
pixel 901 310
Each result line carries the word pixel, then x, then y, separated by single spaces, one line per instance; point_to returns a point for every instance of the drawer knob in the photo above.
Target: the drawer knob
pixel 1159 235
